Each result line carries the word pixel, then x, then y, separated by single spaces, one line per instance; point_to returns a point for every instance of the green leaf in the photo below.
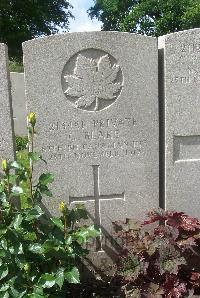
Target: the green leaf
pixel 82 236
pixel 3 197
pixel 34 213
pixel 93 231
pixel 16 190
pixel 58 222
pixel 17 221
pixel 3 230
pixel 30 236
pixel 45 190
pixel 2 253
pixel 68 241
pixel 72 276
pixel 3 271
pixel 34 156
pixel 17 294
pixel 81 211
pixel 2 187
pixel 4 244
pixel 38 292
pixel 15 165
pixel 46 178
pixel 4 287
pixel 49 245
pixel 47 280
pixel 36 248
pixel 60 277
pixel 16 249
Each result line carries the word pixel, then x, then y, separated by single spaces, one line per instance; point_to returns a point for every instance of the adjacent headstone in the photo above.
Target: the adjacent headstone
pixel 6 122
pixel 96 99
pixel 182 119
pixel 18 103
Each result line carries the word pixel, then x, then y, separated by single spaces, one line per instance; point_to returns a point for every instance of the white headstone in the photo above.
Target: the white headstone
pixel 181 52
pixel 96 99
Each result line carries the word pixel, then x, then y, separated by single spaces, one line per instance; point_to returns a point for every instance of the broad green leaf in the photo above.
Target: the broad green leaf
pixel 3 230
pixel 46 178
pixel 2 253
pixel 3 197
pixel 45 190
pixel 72 276
pixel 81 236
pixel 15 165
pixel 34 156
pixel 58 222
pixel 3 271
pixel 17 221
pixel 38 196
pixel 4 244
pixel 68 241
pixel 81 211
pixel 47 280
pixel 93 231
pixel 49 245
pixel 34 213
pixel 16 249
pixel 36 248
pixel 38 291
pixel 31 236
pixel 16 190
pixel 60 277
pixel 16 293
pixel 2 187
pixel 4 287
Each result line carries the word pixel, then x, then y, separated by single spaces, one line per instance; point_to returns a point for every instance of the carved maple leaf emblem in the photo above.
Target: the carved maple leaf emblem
pixel 93 81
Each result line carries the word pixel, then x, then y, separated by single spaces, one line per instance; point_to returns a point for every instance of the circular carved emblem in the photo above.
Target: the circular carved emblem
pixel 92 80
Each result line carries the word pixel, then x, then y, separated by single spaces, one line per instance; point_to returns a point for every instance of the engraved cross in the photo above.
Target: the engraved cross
pixel 97 198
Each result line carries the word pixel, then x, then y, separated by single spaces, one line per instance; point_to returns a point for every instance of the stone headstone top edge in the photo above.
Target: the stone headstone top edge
pixel 89 33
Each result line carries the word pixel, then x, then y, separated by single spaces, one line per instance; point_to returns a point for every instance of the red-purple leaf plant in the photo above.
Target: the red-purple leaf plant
pixel 160 257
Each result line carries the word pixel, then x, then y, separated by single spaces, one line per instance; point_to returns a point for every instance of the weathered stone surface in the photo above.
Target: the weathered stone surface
pixel 96 98
pixel 18 103
pixel 182 112
pixel 6 122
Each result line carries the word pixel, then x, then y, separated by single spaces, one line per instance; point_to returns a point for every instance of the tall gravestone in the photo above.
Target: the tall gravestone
pixel 6 122
pixel 96 99
pixel 181 61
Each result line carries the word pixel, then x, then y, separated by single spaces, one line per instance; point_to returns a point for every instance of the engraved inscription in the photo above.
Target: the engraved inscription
pixel 97 198
pixel 94 83
pixel 94 138
pixel 191 48
pixel 192 76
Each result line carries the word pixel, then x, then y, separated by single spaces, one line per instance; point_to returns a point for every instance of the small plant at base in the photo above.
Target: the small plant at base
pixel 160 257
pixel 38 254
pixel 21 143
